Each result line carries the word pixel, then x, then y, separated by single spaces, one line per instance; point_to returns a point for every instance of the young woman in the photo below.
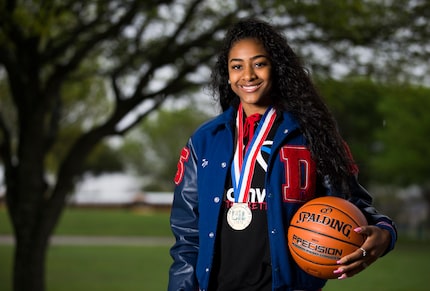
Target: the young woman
pixel 242 175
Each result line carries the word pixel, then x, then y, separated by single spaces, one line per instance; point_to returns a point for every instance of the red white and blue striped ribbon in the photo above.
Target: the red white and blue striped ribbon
pixel 243 167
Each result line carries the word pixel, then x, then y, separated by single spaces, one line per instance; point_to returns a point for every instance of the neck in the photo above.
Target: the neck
pixel 253 109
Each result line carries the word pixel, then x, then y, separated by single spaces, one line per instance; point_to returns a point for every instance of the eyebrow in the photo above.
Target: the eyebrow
pixel 252 58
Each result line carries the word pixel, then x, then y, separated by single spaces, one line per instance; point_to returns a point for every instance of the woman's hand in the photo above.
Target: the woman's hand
pixel 374 246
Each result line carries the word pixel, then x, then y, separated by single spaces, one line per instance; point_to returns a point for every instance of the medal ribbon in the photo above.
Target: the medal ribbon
pixel 243 167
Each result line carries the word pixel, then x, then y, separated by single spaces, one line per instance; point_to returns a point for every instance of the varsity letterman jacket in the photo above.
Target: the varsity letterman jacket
pixel 203 167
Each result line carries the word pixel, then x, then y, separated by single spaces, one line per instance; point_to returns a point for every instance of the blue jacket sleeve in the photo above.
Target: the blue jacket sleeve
pixel 363 200
pixel 184 224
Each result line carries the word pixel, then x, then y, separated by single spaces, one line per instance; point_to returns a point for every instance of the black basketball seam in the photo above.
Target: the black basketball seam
pixel 310 261
pixel 346 213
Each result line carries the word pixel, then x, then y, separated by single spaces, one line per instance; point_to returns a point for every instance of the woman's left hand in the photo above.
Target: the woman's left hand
pixel 376 243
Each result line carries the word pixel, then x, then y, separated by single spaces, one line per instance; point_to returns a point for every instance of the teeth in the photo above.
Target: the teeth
pixel 250 88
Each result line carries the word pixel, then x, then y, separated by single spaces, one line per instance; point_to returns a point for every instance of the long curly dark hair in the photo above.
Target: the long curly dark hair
pixel 292 91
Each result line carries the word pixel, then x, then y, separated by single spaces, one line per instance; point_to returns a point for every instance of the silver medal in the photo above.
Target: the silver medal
pixel 239 216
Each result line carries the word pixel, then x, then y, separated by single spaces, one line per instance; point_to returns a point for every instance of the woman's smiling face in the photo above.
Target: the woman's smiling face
pixel 249 70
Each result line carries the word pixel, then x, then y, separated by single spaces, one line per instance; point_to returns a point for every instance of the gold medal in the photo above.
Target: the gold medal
pixel 239 216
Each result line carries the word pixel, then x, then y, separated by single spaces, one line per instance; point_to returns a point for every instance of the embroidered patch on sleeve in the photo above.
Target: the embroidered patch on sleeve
pixel 185 154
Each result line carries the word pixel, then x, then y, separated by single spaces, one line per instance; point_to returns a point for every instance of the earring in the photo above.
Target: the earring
pixel 229 82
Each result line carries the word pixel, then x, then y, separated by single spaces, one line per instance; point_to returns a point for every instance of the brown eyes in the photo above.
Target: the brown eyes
pixel 256 65
pixel 261 64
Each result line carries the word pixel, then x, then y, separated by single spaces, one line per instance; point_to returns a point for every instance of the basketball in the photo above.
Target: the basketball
pixel 321 232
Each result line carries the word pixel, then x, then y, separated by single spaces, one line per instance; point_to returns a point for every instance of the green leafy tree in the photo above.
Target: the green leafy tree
pixel 385 40
pixel 403 148
pixel 142 51
pixel 354 102
pixel 386 126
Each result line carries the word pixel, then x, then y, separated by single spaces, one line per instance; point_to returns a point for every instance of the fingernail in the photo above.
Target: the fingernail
pixel 358 229
pixel 337 271
pixel 342 277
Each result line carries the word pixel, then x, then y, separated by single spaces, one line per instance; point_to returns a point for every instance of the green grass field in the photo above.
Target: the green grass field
pixel 129 268
pixel 101 222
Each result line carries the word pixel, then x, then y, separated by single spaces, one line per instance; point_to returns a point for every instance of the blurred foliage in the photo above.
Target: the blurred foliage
pixel 163 135
pixel 387 127
pixel 385 40
pixel 354 103
pixel 104 159
pixel 403 150
pixel 85 106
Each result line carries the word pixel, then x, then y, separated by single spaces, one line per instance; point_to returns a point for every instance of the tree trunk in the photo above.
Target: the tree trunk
pixel 33 227
pixel 29 263
pixel 31 212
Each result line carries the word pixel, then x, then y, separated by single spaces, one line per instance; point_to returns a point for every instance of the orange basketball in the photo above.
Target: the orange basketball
pixel 321 232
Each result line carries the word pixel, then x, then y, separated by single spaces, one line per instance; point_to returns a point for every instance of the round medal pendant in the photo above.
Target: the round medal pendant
pixel 239 216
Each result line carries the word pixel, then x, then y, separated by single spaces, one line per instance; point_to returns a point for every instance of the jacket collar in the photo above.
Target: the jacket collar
pixel 227 119
pixel 288 122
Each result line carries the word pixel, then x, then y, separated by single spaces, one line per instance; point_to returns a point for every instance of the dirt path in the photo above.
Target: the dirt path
pixel 100 241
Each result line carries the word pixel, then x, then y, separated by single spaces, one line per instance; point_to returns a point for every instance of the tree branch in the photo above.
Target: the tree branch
pixel 166 56
pixel 54 51
pixel 10 5
pixel 61 71
pixel 127 61
pixel 5 144
pixel 159 99
pixel 117 92
pixel 11 29
pixel 54 121
pixel 188 16
pixel 5 56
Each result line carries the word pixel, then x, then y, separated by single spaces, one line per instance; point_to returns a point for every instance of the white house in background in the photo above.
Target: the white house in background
pixel 106 189
pixel 117 189
pixel 156 198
